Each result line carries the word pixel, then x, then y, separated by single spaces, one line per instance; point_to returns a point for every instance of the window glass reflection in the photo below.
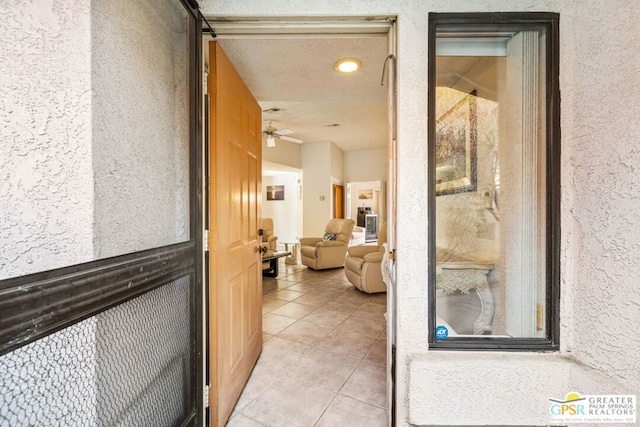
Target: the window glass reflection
pixel 490 182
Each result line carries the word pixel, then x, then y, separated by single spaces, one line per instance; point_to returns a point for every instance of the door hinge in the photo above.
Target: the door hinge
pixel 206 396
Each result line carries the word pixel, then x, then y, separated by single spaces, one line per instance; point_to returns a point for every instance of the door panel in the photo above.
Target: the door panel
pixel 235 283
pixel 338 201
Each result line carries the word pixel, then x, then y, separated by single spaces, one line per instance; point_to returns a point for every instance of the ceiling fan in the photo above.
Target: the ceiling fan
pixel 272 133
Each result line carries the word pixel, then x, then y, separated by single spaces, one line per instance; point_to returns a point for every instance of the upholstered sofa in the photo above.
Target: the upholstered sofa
pixel 328 251
pixel 363 264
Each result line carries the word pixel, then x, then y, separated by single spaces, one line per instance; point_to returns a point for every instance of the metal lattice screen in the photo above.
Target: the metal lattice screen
pixel 128 366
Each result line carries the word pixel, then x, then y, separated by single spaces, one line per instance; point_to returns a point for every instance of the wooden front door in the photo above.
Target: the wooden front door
pixel 235 273
pixel 338 201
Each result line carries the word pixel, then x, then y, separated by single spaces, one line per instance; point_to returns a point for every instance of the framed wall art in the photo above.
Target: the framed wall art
pixel 275 192
pixel 456 148
pixel 365 194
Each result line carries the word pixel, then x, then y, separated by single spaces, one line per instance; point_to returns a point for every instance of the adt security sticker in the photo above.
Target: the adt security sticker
pixel 442 332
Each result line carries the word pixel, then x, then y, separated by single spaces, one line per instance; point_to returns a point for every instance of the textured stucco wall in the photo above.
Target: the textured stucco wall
pixel 515 387
pixel 47 159
pixel 601 140
pixel 46 192
pixel 46 197
pixel 140 125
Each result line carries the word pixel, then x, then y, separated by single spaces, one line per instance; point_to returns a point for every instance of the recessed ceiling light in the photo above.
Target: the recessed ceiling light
pixel 347 65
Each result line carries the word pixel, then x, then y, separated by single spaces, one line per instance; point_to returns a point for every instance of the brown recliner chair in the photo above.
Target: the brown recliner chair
pixel 328 251
pixel 363 264
pixel 269 240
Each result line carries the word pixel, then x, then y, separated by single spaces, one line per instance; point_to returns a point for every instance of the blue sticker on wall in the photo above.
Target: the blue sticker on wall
pixel 442 332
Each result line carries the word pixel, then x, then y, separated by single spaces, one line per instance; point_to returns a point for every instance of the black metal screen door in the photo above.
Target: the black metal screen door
pixel 118 340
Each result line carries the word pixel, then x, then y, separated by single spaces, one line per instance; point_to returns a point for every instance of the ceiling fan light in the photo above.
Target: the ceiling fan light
pixel 271 141
pixel 347 65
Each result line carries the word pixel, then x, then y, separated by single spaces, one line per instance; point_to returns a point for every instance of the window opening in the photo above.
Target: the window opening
pixel 494 181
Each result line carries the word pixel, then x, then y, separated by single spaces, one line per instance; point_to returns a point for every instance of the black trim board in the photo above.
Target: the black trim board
pixel 39 304
pixel 199 331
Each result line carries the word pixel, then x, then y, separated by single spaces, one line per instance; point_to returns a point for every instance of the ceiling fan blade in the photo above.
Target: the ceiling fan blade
pixel 283 132
pixel 291 139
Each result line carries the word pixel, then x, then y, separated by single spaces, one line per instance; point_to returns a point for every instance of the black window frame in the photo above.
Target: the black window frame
pixel 551 22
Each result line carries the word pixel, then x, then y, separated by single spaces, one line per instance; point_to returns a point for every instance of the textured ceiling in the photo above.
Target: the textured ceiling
pixel 296 76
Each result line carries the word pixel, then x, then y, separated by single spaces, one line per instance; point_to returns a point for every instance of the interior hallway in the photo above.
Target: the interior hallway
pixel 324 355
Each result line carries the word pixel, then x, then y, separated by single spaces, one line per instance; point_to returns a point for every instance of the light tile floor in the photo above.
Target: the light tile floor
pixel 324 354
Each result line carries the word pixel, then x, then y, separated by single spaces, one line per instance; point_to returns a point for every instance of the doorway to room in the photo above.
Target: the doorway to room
pixel 342 313
pixel 338 201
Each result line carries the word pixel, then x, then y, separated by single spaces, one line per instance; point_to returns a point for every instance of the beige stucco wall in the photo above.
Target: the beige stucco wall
pixel 599 308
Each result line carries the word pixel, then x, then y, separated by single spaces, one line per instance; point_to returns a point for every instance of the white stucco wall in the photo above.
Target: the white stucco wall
pixel 46 200
pixel 457 388
pixel 601 151
pixel 46 197
pixel 50 159
pixel 599 308
pixel 140 118
pixel 94 156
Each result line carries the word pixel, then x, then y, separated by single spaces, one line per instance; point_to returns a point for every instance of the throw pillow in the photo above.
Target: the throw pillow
pixel 329 236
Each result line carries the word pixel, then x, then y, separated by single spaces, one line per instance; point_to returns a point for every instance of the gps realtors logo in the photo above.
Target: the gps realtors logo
pixel 593 408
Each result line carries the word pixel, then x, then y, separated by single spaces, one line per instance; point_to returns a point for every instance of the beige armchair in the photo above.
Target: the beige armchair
pixel 269 240
pixel 328 251
pixel 363 264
